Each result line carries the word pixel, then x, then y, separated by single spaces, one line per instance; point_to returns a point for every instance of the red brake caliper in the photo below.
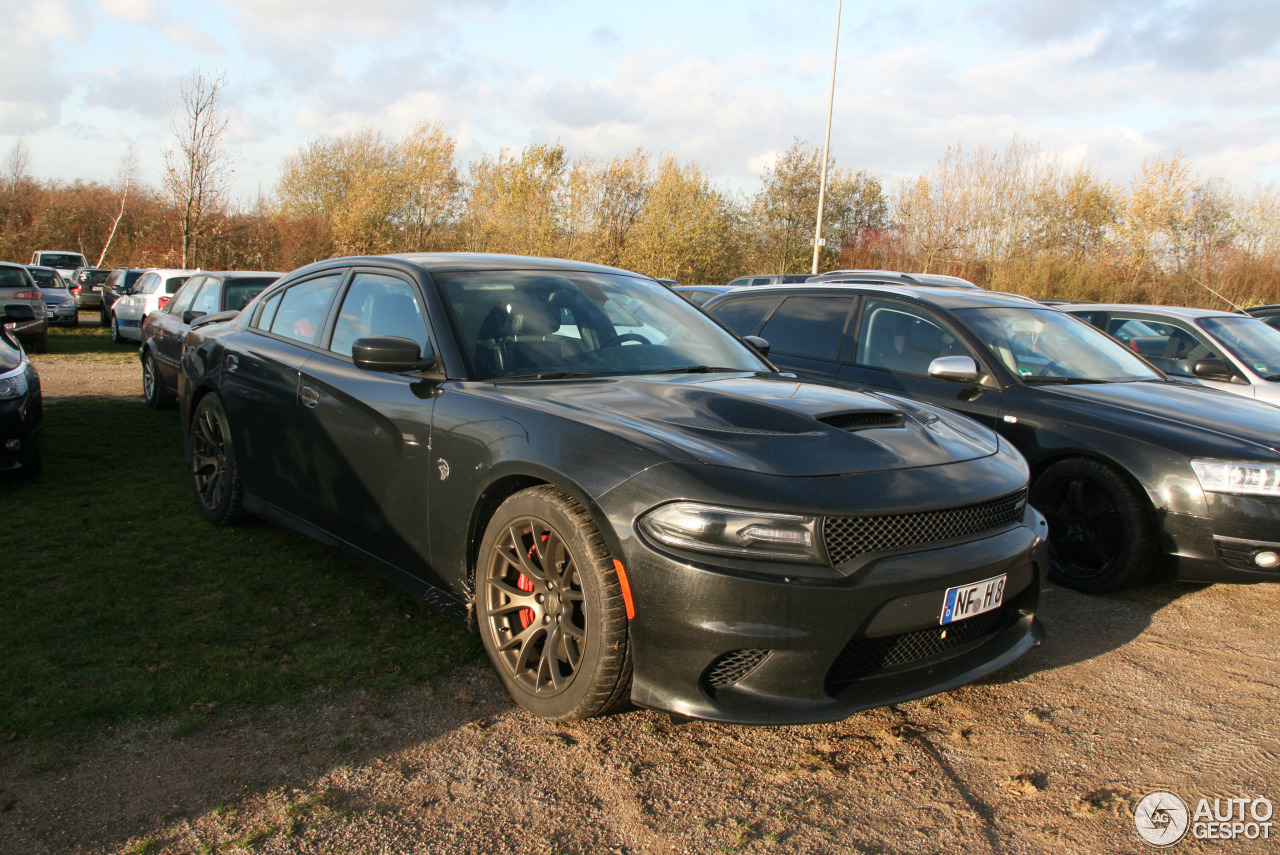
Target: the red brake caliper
pixel 525 584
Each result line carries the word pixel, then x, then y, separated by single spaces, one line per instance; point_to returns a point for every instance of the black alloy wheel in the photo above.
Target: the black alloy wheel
pixel 215 471
pixel 552 616
pixel 1100 532
pixel 157 397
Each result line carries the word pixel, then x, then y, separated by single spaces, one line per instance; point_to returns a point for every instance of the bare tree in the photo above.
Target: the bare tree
pixel 17 164
pixel 198 170
pixel 128 177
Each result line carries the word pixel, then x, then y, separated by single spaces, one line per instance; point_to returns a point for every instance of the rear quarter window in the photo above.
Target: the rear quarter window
pixel 743 316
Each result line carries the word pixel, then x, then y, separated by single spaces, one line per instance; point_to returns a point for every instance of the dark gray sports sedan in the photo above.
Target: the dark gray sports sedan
pixel 625 500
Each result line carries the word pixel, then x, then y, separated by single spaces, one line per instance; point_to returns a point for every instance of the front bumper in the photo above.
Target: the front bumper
pixel 20 420
pixel 1221 547
pixel 787 646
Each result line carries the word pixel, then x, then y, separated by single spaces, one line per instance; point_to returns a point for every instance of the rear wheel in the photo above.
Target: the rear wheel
pixel 115 329
pixel 103 318
pixel 551 612
pixel 1101 536
pixel 157 397
pixel 215 470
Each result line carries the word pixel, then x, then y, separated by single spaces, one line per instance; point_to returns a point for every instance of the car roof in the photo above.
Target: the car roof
pixel 238 274
pixel 947 298
pixel 452 262
pixel 1187 312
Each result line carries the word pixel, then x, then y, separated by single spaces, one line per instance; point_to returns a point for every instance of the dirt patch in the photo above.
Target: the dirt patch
pixel 64 378
pixel 1170 687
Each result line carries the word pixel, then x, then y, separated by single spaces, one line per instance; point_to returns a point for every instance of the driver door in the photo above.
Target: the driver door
pixel 892 348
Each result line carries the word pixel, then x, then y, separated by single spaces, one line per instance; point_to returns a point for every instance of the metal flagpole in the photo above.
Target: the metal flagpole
pixel 818 240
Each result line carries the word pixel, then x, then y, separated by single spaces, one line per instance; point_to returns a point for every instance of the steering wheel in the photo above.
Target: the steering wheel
pixel 626 337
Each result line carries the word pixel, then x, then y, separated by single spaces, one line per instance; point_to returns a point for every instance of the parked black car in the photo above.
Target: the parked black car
pixel 165 330
pixel 1125 463
pixel 119 283
pixel 655 515
pixel 21 410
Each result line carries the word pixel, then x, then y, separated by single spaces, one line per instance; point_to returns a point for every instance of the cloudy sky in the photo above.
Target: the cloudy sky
pixel 726 84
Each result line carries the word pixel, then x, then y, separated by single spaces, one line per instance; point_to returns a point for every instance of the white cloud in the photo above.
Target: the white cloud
pixel 130 11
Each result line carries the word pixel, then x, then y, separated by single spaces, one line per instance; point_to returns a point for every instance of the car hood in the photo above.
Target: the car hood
pixel 1198 419
pixel 765 424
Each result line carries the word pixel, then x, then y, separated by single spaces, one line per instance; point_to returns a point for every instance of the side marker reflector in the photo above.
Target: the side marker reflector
pixel 626 589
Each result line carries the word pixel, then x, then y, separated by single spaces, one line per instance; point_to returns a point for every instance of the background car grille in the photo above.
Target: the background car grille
pixel 862 657
pixel 848 537
pixel 732 667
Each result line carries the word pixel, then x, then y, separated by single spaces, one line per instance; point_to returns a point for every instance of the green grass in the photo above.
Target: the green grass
pixel 87 342
pixel 121 603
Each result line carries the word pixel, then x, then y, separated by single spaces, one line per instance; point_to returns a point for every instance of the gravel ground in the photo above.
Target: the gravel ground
pixel 1169 687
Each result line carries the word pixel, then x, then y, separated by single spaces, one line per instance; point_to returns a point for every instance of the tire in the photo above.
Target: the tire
pixel 75 321
pixel 102 317
pixel 157 397
pixel 552 617
pixel 215 469
pixel 115 329
pixel 1101 534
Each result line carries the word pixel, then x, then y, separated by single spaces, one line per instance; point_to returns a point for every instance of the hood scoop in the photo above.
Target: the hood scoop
pixel 863 420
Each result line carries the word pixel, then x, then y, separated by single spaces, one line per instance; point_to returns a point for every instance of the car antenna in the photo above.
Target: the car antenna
pixel 1216 294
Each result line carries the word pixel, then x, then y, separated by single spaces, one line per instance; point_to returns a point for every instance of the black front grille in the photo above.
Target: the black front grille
pixel 860 421
pixel 862 657
pixel 848 537
pixel 733 666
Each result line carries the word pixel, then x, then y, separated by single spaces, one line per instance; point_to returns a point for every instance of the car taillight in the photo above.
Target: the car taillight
pixel 164 300
pixel 75 288
pixel 28 295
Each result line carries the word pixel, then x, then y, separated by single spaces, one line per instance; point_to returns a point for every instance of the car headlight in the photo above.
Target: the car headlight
pixel 70 301
pixel 13 384
pixel 740 533
pixel 1244 477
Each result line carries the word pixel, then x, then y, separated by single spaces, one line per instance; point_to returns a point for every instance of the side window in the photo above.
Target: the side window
pixel 267 314
pixel 898 337
pixel 182 301
pixel 377 304
pixel 1172 349
pixel 808 326
pixel 302 309
pixel 744 316
pixel 762 280
pixel 147 283
pixel 207 300
pixel 738 283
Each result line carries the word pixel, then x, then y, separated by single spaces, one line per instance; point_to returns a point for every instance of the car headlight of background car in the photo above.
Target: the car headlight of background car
pixel 13 384
pixel 1244 477
pixel 739 533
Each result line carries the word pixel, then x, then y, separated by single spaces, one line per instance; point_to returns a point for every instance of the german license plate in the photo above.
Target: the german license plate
pixel 965 601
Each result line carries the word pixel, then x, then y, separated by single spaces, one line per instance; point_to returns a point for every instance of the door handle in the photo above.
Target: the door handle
pixel 232 362
pixel 310 397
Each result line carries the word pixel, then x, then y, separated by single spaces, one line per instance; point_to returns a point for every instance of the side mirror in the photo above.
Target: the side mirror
pixel 961 369
pixel 1213 369
pixel 189 315
pixel 392 354
pixel 758 344
pixel 15 312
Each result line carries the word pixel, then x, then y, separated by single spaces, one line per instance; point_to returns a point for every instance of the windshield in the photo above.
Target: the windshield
pixel 47 278
pixel 1048 346
pixel 62 261
pixel 526 323
pixel 1249 340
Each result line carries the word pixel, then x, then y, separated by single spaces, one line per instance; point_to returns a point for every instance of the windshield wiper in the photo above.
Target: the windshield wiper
pixel 1062 380
pixel 691 369
pixel 547 375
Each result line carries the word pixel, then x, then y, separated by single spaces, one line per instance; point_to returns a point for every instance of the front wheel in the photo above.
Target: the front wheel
pixel 550 607
pixel 215 470
pixel 1101 536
